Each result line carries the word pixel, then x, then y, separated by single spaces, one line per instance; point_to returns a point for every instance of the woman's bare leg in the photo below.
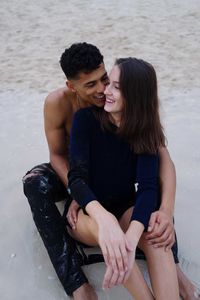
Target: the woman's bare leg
pixel 188 291
pixel 136 279
pixel 162 270
pixel 87 232
pixel 137 286
pixel 161 266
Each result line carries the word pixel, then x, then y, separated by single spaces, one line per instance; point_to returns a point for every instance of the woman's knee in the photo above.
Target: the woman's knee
pixel 159 253
pixel 86 229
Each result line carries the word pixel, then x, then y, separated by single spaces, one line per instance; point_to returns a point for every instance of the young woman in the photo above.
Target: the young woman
pixel 114 178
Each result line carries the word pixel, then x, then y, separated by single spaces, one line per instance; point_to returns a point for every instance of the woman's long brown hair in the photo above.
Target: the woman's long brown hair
pixel 140 123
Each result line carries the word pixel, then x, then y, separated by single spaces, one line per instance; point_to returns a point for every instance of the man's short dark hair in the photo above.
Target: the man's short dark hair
pixel 80 57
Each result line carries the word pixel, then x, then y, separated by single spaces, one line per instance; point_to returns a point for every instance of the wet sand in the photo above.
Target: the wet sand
pixel 33 36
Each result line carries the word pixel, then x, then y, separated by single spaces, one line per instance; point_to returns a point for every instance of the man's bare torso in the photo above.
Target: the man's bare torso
pixel 59 109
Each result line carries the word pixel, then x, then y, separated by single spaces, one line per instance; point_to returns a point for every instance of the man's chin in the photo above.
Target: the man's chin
pixel 100 103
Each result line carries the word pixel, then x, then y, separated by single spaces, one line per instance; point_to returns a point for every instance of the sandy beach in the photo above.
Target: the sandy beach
pixel 33 36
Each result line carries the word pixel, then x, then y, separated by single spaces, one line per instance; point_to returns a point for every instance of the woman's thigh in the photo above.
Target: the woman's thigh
pixel 86 230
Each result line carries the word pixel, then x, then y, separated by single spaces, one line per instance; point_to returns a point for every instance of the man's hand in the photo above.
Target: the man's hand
pixel 72 214
pixel 161 230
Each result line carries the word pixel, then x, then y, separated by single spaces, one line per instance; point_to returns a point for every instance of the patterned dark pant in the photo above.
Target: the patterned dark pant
pixel 43 189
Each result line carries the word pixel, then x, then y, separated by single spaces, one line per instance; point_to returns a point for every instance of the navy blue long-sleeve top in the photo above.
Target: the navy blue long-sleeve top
pixel 103 167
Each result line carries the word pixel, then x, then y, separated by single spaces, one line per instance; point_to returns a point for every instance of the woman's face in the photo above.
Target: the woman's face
pixel 114 100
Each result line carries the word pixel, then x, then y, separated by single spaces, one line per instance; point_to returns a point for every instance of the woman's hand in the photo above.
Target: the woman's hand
pixel 115 249
pixel 112 242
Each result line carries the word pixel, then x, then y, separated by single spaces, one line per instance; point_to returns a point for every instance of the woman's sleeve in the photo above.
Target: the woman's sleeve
pixel 147 190
pixel 79 158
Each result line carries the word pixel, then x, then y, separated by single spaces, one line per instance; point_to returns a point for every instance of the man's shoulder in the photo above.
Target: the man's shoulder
pixel 59 98
pixel 58 107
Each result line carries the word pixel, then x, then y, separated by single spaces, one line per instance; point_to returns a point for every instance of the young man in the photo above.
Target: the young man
pixel 47 183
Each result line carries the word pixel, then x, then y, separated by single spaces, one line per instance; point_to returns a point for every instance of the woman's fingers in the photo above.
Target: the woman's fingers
pixel 105 253
pixel 117 261
pixel 113 279
pixel 107 276
pixel 115 247
pixel 112 258
pixel 121 258
pixel 122 261
pixel 112 270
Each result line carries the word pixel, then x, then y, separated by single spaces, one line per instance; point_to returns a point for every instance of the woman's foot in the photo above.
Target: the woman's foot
pixel 187 289
pixel 192 294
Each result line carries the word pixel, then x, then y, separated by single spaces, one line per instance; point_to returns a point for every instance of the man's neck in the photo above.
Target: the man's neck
pixel 81 103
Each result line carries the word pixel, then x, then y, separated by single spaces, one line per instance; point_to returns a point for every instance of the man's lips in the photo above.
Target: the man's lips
pixel 100 97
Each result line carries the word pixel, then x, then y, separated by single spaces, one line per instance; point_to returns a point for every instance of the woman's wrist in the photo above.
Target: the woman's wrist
pixel 134 232
pixel 97 211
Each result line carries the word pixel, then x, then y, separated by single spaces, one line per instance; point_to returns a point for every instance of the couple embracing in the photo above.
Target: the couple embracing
pixel 109 160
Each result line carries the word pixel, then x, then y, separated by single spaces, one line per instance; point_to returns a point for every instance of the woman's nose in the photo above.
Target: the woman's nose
pixel 107 90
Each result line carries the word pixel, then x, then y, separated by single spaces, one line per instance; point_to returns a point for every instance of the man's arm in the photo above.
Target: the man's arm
pixel 161 229
pixel 167 181
pixel 54 122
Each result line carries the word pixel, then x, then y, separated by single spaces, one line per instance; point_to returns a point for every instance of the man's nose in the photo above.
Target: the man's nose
pixel 100 87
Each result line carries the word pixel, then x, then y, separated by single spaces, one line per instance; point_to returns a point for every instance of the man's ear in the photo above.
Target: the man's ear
pixel 70 86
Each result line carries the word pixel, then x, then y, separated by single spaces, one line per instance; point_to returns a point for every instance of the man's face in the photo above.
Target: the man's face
pixel 90 87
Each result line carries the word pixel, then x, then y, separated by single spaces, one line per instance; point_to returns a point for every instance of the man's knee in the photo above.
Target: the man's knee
pixel 35 182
